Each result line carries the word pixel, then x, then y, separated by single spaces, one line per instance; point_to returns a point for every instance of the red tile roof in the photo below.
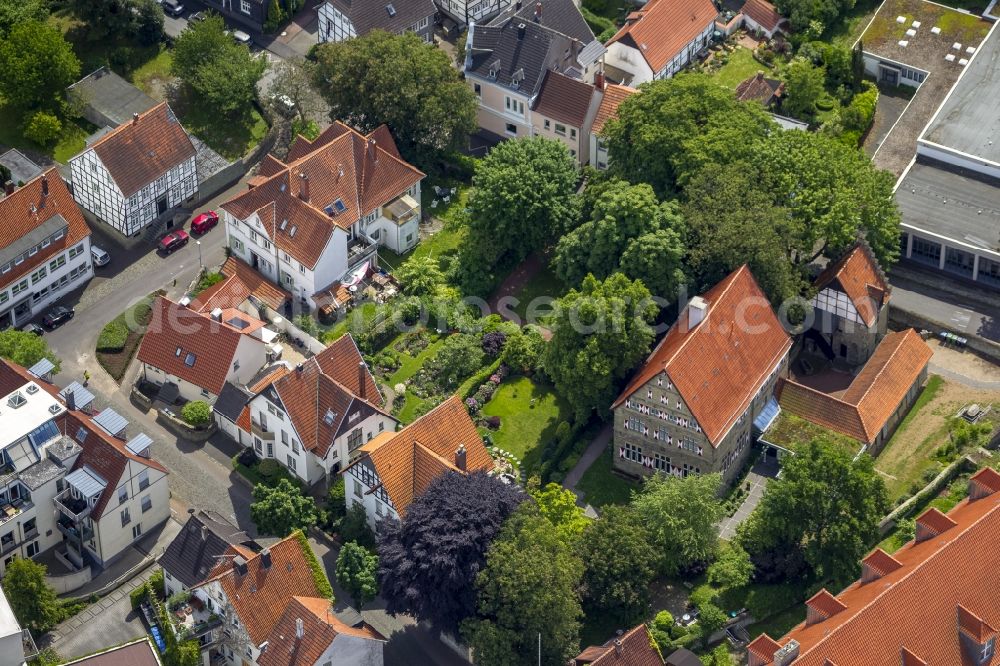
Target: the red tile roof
pixel 564 99
pixel 363 172
pixel 881 562
pixel 762 648
pixel 909 659
pixel 26 209
pixel 985 482
pixel 858 275
pixel 614 95
pixel 762 13
pixel 760 89
pixel 661 29
pixel 915 607
pixel 825 603
pixel 935 521
pixel 319 629
pixel 260 596
pixel 137 153
pixel 634 648
pixel 406 462
pixel 973 626
pixel 719 365
pixel 873 395
pixel 266 292
pixel 138 653
pixel 175 331
pixel 329 381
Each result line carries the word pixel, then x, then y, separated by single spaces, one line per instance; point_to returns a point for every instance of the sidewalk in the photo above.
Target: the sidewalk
pixel 758 478
pixel 593 452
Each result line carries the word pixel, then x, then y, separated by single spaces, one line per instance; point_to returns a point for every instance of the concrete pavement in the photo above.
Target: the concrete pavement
pixel 917 291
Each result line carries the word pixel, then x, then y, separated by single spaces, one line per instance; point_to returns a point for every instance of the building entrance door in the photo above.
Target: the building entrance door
pixel 161 205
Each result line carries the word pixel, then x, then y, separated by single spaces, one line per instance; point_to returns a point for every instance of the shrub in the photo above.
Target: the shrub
pixel 493 422
pixel 766 600
pixel 43 128
pixel 268 468
pixel 336 499
pixel 196 413
pixel 354 527
pixel 663 621
pixel 138 595
pixel 493 343
pixel 113 336
pixel 156 583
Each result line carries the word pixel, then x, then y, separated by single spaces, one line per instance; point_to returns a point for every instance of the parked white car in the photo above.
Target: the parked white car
pixel 101 257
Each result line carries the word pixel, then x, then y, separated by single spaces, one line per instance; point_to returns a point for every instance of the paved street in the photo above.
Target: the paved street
pixel 960 315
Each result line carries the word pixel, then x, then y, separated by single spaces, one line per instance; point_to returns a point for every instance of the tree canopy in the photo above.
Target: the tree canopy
pixel 282 509
pixel 221 72
pixel 356 570
pixel 524 197
pixel 403 82
pixel 13 12
pixel 294 79
pixel 619 564
pixel 34 603
pixel 630 231
pixel 420 276
pixel 680 516
pixel 558 505
pixel 529 587
pixel 825 501
pixel 599 334
pixel 428 562
pixel 37 64
pixel 24 348
pixel 803 87
pixel 814 16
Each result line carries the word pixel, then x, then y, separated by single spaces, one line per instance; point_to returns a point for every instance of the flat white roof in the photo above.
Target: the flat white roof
pixel 8 623
pixel 34 407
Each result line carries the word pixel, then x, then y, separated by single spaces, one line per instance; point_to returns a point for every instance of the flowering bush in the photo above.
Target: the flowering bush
pixel 472 404
pixel 493 343
pixel 485 392
pixel 496 378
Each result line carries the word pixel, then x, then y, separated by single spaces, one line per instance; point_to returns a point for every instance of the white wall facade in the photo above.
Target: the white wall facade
pixel 631 60
pixel 334 26
pixel 145 487
pixel 33 530
pixel 96 191
pixel 472 10
pixel 359 481
pixel 47 282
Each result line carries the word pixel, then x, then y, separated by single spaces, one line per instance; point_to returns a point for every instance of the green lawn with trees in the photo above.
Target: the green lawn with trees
pixel 529 413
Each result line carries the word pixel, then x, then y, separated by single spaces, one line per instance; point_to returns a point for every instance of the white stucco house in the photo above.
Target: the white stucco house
pixel 136 172
pixel 192 354
pixel 313 224
pixel 44 248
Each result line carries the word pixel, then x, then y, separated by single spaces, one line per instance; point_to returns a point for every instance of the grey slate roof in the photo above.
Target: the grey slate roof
pixel 231 401
pixel 198 546
pixel 368 15
pixel 561 16
pixel 109 99
pixel 516 61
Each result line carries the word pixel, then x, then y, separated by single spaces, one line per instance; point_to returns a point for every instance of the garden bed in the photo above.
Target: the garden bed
pixel 790 432
pixel 248 465
pixel 120 338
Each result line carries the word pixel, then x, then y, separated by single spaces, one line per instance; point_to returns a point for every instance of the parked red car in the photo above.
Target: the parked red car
pixel 204 222
pixel 175 240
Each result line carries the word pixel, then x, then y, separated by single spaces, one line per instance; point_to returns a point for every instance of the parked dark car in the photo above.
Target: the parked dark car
pixel 173 241
pixel 204 222
pixel 172 7
pixel 57 316
pixel 32 327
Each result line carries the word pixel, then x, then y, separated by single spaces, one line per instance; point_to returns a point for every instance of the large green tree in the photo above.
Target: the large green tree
pixel 650 140
pixel 619 565
pixel 33 601
pixel 105 19
pixel 13 12
pixel 599 334
pixel 628 230
pixel 680 515
pixel 813 16
pixel 420 276
pixel 222 73
pixel 356 570
pixel 826 502
pixel 25 349
pixel 528 593
pixel 281 509
pixel 37 64
pixel 558 506
pixel 524 197
pixel 803 88
pixel 403 82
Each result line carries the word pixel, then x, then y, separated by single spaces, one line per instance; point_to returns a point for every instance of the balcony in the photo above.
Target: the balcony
pixel 262 432
pixel 72 507
pixel 13 510
pixel 403 209
pixel 359 249
pixel 77 532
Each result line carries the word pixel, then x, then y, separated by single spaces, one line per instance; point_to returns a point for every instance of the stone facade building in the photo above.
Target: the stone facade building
pixel 691 407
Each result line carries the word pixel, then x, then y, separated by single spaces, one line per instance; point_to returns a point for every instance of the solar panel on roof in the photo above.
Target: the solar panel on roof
pixel 42 368
pixel 111 421
pixel 139 443
pixel 86 481
pixel 81 395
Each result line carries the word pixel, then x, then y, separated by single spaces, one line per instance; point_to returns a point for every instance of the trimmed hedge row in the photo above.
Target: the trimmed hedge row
pixel 319 575
pixel 115 333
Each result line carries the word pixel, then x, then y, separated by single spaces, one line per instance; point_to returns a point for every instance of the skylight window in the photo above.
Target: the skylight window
pixel 189 360
pixel 392 10
pixel 178 352
pixel 330 416
pixel 16 400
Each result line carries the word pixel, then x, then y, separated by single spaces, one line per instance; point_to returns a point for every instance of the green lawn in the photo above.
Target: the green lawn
pixel 447 240
pixel 72 141
pixel 741 66
pixel 230 137
pixel 779 624
pixel 600 486
pixel 151 74
pixel 790 431
pixel 529 414
pixel 354 322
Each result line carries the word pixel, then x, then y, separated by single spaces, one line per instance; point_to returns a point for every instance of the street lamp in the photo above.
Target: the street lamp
pixel 200 264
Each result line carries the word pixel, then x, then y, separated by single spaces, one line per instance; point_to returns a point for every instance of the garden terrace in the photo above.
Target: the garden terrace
pixel 791 432
pixel 925 51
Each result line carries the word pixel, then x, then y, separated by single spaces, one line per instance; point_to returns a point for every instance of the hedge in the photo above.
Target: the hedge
pixel 113 336
pixel 319 575
pixel 469 387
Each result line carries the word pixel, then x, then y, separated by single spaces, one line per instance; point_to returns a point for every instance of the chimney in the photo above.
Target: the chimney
pixel 70 401
pixel 298 368
pixel 538 12
pixel 300 629
pixel 216 314
pixel 265 558
pixel 240 565
pixel 303 187
pixel 599 82
pixel 362 372
pixel 697 308
pixel 135 118
pixel 204 533
pixel 760 75
pixel 45 186
pixel 618 647
pixel 460 457
pixel 8 187
pixel 521 28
